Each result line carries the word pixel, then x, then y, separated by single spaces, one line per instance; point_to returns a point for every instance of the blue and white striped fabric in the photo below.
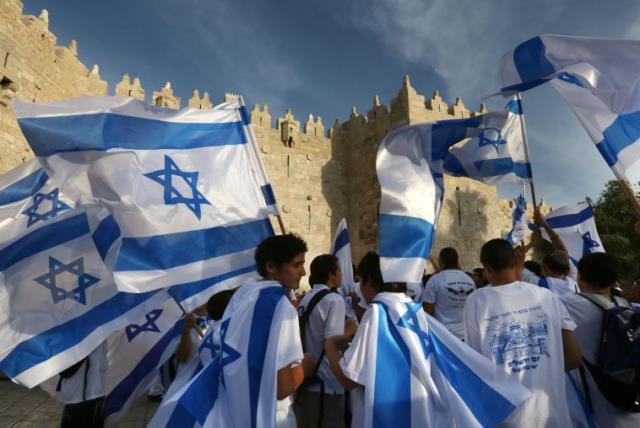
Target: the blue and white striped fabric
pixel 341 248
pixel 137 352
pixel 415 373
pixel 58 301
pixel 519 222
pixel 410 172
pixel 498 155
pixel 243 369
pixel 180 184
pixel 598 78
pixel 577 228
pixel 27 199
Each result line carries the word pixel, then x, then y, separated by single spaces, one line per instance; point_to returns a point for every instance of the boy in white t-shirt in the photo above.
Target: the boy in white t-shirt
pixel 447 291
pixel 526 330
pixel 597 273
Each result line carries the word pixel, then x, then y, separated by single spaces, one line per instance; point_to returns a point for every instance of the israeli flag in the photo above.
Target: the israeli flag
pixel 497 155
pixel 341 248
pixel 58 301
pixel 598 78
pixel 410 170
pixel 519 222
pixel 28 199
pixel 418 374
pixel 577 228
pixel 137 352
pixel 242 369
pixel 180 184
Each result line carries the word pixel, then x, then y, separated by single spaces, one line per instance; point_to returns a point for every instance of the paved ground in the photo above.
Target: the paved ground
pixel 24 408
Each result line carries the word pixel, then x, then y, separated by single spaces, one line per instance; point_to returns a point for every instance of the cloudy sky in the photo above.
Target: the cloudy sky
pixel 324 56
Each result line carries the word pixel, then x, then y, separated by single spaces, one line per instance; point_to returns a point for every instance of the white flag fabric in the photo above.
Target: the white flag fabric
pixel 518 221
pixel 341 248
pixel 180 184
pixel 497 155
pixel 415 373
pixel 577 228
pixel 599 80
pixel 27 199
pixel 58 301
pixel 410 172
pixel 136 353
pixel 258 334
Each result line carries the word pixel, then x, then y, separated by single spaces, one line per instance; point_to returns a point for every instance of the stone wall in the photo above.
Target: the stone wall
pixel 318 175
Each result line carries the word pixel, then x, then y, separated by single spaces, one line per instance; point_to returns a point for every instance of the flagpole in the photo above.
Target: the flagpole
pixel 525 141
pixel 254 148
pixel 628 190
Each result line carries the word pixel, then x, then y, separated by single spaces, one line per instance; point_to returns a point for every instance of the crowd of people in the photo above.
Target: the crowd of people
pixel 540 323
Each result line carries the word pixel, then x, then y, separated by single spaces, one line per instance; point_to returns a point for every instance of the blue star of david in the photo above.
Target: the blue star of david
pixel 57 206
pixel 491 137
pixel 133 330
pixel 588 243
pixel 76 268
pixel 227 353
pixel 172 196
pixel 410 320
pixel 207 343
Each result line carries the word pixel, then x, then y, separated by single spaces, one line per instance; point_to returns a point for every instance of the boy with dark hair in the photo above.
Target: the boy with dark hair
pixel 526 330
pixel 597 273
pixel 446 292
pixel 320 401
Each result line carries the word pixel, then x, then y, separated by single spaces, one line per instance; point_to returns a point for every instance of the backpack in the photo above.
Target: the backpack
pixel 617 367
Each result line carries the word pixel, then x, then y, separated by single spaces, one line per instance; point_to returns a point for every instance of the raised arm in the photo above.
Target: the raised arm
pixel 557 242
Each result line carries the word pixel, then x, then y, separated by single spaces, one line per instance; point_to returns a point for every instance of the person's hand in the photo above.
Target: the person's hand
pixel 308 364
pixel 519 266
pixel 189 321
pixel 350 327
pixel 538 218
pixel 536 238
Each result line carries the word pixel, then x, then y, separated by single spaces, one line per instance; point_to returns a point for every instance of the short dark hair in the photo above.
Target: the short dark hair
pixel 369 270
pixel 498 254
pixel 599 269
pixel 533 267
pixel 557 262
pixel 449 258
pixel 279 249
pixel 322 267
pixel 218 303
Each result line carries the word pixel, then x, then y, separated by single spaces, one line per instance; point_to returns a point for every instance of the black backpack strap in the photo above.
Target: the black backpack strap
pixel 599 300
pixel 304 317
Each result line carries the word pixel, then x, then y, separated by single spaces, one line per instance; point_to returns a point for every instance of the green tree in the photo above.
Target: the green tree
pixel 615 219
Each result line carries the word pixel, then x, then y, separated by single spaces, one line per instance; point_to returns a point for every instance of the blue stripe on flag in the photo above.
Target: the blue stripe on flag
pixel 623 132
pixel 103 131
pixel 470 386
pixel 122 392
pixel 531 61
pixel 246 118
pixel 23 188
pixel 342 240
pixel 503 166
pixel 392 392
pixel 105 235
pixel 263 313
pixel 180 416
pixel 514 107
pixel 43 239
pixel 404 237
pixel 49 343
pixel 200 397
pixel 571 219
pixel 524 86
pixel 176 249
pixel 184 291
pixel 453 166
pixel 267 193
pixel 543 282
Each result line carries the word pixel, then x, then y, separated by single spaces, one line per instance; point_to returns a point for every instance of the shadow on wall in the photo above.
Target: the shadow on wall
pixel 334 186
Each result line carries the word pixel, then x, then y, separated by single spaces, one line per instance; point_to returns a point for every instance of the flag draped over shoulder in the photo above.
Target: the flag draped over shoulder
pixel 180 184
pixel 518 221
pixel 577 228
pixel 497 155
pixel 242 367
pixel 341 248
pixel 419 374
pixel 57 298
pixel 599 80
pixel 409 165
pixel 137 352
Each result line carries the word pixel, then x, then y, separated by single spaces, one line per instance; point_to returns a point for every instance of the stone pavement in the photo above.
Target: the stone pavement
pixel 24 408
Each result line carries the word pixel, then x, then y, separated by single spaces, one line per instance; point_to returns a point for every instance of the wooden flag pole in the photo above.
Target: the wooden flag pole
pixel 525 141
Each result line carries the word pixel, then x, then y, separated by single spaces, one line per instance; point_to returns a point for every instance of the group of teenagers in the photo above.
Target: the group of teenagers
pixel 539 324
